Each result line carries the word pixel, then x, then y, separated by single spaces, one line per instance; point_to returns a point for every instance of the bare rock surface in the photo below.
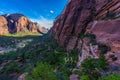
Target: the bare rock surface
pixel 98 17
pixel 3 25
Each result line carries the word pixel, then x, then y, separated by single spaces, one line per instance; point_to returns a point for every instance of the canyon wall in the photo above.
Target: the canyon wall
pixel 81 17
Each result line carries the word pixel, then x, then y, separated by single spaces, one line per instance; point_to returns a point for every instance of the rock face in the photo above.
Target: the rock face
pixel 18 23
pixel 78 14
pixel 106 30
pixel 3 25
pixel 80 17
pixel 73 20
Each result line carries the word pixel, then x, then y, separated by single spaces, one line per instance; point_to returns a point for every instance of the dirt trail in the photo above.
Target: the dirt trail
pixel 93 53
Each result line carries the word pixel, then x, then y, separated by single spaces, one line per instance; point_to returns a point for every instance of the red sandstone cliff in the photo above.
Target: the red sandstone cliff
pixel 72 20
pixel 3 25
pixel 18 23
pixel 79 17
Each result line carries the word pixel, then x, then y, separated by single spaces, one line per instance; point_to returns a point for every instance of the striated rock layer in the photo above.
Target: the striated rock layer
pixel 18 23
pixel 74 18
pixel 79 17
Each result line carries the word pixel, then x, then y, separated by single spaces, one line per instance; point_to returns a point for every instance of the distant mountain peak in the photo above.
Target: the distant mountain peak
pixel 18 23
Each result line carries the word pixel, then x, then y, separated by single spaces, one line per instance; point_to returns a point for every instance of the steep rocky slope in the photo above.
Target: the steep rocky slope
pixel 3 25
pixel 18 23
pixel 99 18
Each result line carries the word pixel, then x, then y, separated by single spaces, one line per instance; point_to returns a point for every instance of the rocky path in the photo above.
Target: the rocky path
pixel 73 77
pixel 22 76
pixel 81 58
pixel 93 53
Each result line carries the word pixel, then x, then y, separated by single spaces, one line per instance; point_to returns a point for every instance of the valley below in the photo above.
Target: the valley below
pixel 12 43
pixel 82 44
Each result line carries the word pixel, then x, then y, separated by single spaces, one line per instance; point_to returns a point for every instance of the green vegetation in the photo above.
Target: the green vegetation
pixel 90 68
pixel 113 57
pixel 92 38
pixel 28 57
pixel 43 59
pixel 9 56
pixel 110 15
pixel 81 35
pixel 13 42
pixel 71 58
pixel 18 34
pixel 111 76
pixel 84 77
pixel 42 71
pixel 11 67
pixel 103 48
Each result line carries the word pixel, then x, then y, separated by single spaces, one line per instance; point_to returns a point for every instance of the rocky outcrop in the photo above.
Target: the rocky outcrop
pixel 3 25
pixel 19 23
pixel 105 30
pixel 78 14
pixel 81 17
pixel 74 18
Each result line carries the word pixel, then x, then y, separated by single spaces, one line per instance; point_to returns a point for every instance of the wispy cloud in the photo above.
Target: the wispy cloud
pixel 1 12
pixel 44 22
pixel 51 11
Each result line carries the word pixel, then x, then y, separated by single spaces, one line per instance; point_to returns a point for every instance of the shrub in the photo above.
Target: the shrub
pixel 28 55
pixel 103 48
pixel 111 76
pixel 84 77
pixel 102 62
pixel 9 56
pixel 92 67
pixel 92 38
pixel 72 58
pixel 63 73
pixel 65 70
pixel 42 71
pixel 81 35
pixel 89 67
pixel 110 15
pixel 12 67
pixel 54 58
pixel 111 55
pixel 114 58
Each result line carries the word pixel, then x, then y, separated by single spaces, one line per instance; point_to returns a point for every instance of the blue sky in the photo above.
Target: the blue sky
pixel 42 11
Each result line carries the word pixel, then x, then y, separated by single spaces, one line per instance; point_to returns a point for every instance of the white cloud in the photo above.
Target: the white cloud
pixel 47 23
pixel 1 12
pixel 51 11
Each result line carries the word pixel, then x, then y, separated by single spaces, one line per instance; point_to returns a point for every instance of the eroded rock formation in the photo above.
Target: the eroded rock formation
pixel 73 20
pixel 80 17
pixel 18 23
pixel 3 25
